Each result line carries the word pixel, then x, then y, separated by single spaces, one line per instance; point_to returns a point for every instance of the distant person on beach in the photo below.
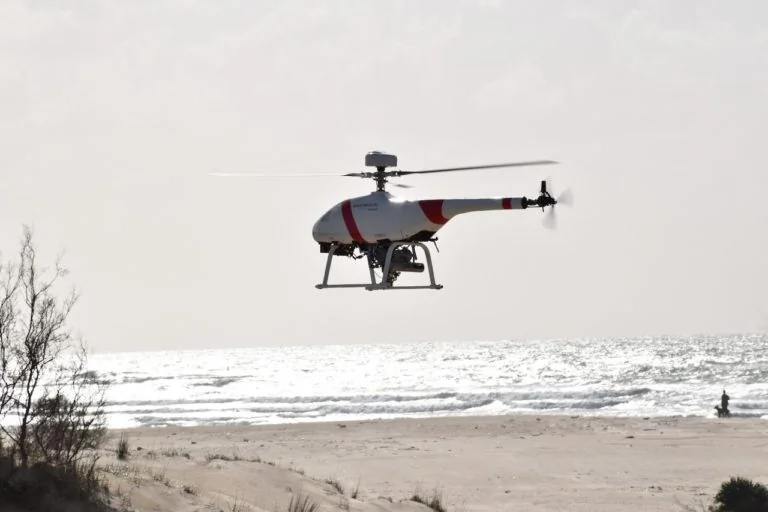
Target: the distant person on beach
pixel 723 409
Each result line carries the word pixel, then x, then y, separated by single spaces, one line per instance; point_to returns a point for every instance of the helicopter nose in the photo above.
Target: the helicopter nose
pixel 316 230
pixel 322 228
pixel 329 227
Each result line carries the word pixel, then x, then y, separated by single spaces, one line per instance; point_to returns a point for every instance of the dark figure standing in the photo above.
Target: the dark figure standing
pixel 723 409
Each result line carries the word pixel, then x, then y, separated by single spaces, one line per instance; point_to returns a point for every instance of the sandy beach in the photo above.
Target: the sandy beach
pixel 520 463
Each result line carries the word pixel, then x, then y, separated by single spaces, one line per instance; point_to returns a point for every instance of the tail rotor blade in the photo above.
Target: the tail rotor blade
pixel 566 198
pixel 550 219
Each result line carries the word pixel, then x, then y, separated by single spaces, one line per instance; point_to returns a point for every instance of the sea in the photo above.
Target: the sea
pixel 641 376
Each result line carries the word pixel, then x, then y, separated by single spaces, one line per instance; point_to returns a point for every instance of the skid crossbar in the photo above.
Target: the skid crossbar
pixel 383 285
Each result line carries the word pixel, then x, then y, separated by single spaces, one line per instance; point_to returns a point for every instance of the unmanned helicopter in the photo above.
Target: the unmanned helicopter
pixel 387 229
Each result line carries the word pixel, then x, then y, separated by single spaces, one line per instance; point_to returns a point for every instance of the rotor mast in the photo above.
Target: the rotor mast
pixel 381 178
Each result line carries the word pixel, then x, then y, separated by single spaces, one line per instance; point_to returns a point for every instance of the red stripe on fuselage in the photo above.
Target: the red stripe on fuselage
pixel 349 221
pixel 433 209
pixel 506 203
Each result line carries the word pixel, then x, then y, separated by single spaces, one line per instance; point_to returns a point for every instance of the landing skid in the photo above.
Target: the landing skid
pixel 383 285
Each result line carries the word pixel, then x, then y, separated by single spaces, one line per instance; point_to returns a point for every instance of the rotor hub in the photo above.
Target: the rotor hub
pixel 380 161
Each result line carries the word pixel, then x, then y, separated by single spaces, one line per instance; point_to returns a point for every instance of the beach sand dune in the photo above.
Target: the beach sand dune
pixel 520 463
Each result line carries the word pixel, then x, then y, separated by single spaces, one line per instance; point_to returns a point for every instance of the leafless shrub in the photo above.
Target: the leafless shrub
pixel 52 407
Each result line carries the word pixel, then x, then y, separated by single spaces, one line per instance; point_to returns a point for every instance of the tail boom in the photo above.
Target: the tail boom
pixel 440 211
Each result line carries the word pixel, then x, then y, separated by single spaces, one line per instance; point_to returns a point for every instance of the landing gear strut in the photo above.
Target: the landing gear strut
pixel 393 259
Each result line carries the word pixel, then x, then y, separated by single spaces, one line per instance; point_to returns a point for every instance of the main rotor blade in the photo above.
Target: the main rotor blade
pixel 257 175
pixel 492 166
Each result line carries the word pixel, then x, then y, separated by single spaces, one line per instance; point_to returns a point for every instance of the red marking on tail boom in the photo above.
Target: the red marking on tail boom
pixel 349 221
pixel 433 209
pixel 506 203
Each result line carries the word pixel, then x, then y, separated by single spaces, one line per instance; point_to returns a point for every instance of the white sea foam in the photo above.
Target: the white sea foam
pixel 618 376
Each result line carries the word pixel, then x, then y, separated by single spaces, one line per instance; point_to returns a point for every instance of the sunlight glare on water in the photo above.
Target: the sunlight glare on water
pixel 616 376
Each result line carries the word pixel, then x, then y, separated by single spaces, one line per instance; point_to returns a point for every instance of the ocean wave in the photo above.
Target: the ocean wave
pixel 141 377
pixel 292 399
pixel 506 396
pixel 217 383
pixel 613 376
pixel 373 409
pixel 374 405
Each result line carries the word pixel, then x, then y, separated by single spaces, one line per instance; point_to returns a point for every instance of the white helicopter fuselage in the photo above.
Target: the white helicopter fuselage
pixel 387 230
pixel 380 216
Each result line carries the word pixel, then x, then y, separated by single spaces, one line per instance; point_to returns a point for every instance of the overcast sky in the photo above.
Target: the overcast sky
pixel 114 113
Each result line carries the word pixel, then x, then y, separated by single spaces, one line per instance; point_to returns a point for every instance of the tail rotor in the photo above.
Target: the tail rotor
pixel 546 199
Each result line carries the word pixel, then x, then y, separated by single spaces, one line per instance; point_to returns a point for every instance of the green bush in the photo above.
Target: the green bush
pixel 741 495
